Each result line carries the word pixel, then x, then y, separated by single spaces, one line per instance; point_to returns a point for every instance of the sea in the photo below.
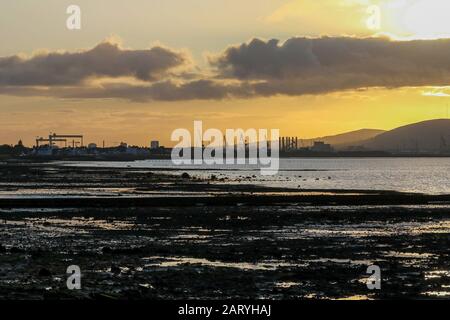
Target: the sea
pixel 420 175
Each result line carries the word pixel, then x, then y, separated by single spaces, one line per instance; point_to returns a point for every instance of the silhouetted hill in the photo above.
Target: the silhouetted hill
pixel 427 136
pixel 346 139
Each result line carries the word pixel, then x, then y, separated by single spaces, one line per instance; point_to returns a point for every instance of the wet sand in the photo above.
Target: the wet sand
pixel 212 239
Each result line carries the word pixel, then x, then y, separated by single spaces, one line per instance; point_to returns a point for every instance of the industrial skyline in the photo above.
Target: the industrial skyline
pixel 426 137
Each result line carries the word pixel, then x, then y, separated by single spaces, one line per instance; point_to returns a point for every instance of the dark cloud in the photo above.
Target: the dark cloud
pixel 312 66
pixel 105 60
pixel 160 91
pixel 258 68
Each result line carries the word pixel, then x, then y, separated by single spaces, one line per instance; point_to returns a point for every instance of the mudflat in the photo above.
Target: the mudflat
pixel 142 234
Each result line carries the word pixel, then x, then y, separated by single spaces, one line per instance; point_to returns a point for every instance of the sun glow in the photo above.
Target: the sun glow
pixel 418 19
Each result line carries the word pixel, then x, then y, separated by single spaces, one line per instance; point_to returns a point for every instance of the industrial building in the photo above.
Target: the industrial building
pixel 289 143
pixel 77 140
pixel 294 145
pixel 320 146
pixel 154 144
pixel 72 145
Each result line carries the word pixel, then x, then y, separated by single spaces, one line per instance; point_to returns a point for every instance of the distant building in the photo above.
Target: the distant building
pixel 133 150
pixel 320 146
pixel 356 148
pixel 154 145
pixel 44 151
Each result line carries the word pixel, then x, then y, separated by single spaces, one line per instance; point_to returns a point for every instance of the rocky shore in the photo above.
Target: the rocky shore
pixel 140 234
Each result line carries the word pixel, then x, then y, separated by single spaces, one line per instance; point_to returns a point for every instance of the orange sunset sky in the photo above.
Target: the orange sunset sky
pixel 139 69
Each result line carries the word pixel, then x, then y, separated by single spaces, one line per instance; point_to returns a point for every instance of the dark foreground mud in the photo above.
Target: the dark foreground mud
pixel 278 251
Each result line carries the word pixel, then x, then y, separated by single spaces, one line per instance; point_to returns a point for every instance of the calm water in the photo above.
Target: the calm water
pixel 426 175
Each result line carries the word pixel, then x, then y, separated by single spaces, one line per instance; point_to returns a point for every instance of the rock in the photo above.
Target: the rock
pixel 115 269
pixel 16 250
pixel 106 250
pixel 44 273
pixel 185 175
pixel 36 254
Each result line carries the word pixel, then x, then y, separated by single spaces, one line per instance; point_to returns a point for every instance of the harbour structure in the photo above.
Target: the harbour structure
pixel 289 143
pixel 77 140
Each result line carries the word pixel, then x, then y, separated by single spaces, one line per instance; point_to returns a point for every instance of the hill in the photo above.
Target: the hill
pixel 427 136
pixel 345 139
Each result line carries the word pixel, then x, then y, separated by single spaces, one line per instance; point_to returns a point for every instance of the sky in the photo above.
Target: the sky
pixel 137 70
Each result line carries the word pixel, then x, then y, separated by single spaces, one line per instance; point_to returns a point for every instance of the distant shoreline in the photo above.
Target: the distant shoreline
pixel 337 155
pixel 363 199
pixel 151 190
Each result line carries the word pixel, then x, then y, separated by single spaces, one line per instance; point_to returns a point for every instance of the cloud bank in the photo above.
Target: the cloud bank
pixel 258 68
pixel 311 66
pixel 105 60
